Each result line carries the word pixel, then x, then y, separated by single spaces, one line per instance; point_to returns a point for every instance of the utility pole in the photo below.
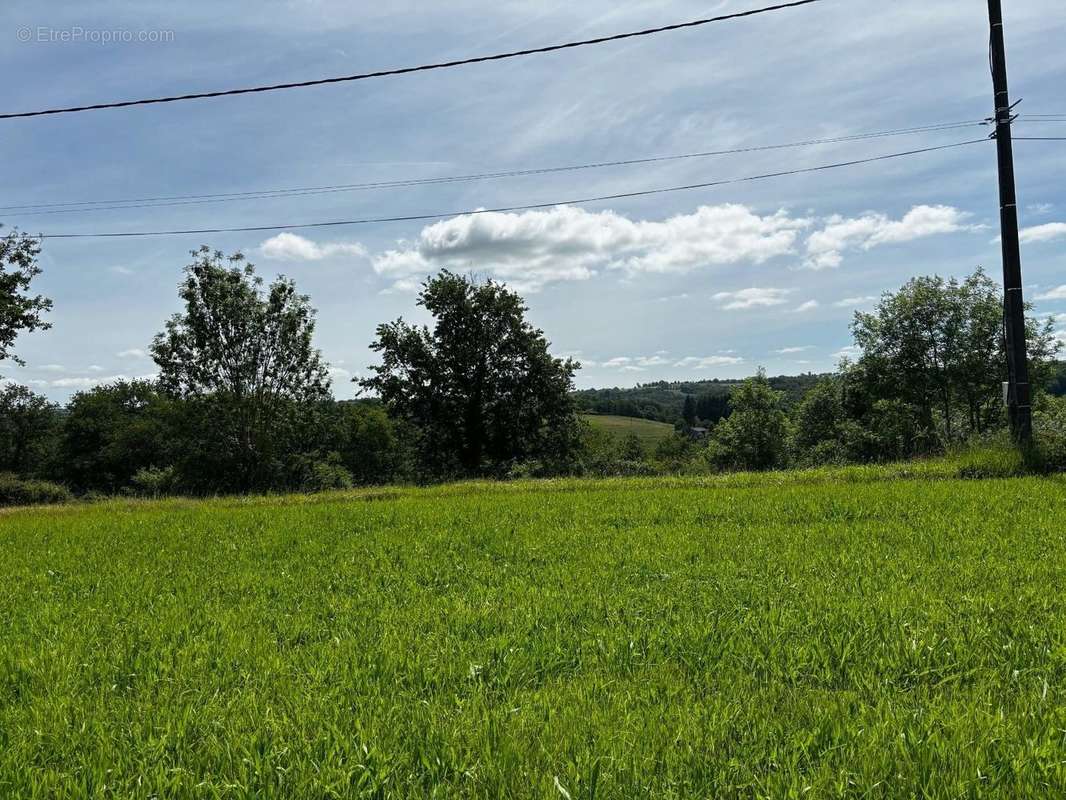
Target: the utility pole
pixel 1018 390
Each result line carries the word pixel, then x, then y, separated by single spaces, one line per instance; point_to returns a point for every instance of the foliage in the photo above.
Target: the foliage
pixel 481 388
pixel 16 491
pixel 244 357
pixel 19 310
pixel 777 635
pixel 113 432
pixel 755 435
pixel 935 350
pixel 153 481
pixel 29 426
pixel 664 401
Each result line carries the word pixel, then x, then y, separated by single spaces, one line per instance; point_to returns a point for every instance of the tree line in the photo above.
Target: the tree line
pixel 242 400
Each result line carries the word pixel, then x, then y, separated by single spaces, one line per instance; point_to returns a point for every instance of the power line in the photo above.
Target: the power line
pixel 408 70
pixel 507 209
pixel 1040 138
pixel 265 194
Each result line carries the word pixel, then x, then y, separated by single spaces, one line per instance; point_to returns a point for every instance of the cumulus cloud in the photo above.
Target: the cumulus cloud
pixel 707 362
pixel 532 249
pixel 1040 209
pixel 788 351
pixel 636 363
pixel 752 298
pixel 290 247
pixel 850 352
pixel 1058 293
pixel 51 368
pixel 810 305
pixel 1043 233
pixel 851 302
pixel 133 352
pixel 826 247
pixel 80 382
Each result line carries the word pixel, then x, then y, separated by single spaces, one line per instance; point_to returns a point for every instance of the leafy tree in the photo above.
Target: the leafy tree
pixel 935 349
pixel 366 442
pixel 29 427
pixel 755 435
pixel 711 408
pixel 243 357
pixel 112 432
pixel 688 411
pixel 480 388
pixel 19 310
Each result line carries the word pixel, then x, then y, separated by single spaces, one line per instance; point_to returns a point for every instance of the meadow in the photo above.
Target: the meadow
pixel 858 633
pixel 648 432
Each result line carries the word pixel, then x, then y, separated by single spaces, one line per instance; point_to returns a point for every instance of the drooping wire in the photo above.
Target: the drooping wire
pixel 514 208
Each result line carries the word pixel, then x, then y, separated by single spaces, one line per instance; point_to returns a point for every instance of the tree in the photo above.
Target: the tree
pixel 112 432
pixel 935 348
pixel 481 388
pixel 755 435
pixel 688 411
pixel 19 310
pixel 244 360
pixel 28 431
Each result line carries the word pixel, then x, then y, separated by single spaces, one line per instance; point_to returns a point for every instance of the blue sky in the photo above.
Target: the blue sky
pixel 697 284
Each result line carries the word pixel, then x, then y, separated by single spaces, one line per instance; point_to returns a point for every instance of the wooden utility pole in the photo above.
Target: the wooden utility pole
pixel 1018 391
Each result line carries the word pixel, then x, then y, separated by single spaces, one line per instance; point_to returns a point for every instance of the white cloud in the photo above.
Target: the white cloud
pixel 133 352
pixel 707 362
pixel 636 363
pixel 1043 233
pixel 340 374
pixel 290 247
pixel 51 368
pixel 79 382
pixel 752 298
pixel 826 248
pixel 95 368
pixel 1058 293
pixel 788 351
pixel 810 305
pixel 850 352
pixel 121 270
pixel 852 302
pixel 1040 209
pixel 532 249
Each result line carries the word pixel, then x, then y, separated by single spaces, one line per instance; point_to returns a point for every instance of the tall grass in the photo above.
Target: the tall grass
pixel 834 633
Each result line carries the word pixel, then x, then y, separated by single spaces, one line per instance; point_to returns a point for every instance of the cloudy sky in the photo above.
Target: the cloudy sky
pixel 703 283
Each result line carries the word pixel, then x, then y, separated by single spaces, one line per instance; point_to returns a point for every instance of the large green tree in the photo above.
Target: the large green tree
pixel 242 355
pixel 755 435
pixel 29 426
pixel 936 348
pixel 111 432
pixel 20 310
pixel 481 387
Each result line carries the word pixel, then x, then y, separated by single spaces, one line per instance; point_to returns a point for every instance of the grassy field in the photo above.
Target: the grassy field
pixel 817 635
pixel 649 432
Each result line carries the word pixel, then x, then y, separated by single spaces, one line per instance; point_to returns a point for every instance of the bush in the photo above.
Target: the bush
pixel 322 475
pixel 153 481
pixel 16 491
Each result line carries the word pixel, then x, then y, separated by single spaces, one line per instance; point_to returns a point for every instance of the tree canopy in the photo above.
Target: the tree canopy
pixel 480 388
pixel 19 309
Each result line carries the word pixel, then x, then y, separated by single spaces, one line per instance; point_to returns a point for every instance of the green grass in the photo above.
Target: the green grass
pixel 649 432
pixel 847 633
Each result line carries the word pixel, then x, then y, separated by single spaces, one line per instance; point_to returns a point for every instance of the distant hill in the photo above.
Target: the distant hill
pixel 649 433
pixel 663 401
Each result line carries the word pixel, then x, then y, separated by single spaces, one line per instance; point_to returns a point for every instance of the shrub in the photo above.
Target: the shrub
pixel 322 475
pixel 16 491
pixel 153 481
